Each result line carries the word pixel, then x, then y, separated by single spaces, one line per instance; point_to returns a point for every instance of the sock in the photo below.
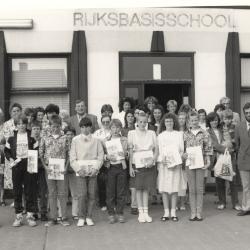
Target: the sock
pixel 140 209
pixel 145 210
pixel 166 212
pixel 173 212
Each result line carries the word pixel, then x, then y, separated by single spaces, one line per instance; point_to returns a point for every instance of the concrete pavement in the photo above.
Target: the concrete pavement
pixel 219 230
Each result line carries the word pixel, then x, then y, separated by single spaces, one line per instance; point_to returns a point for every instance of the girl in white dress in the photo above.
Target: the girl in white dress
pixel 170 179
pixel 139 140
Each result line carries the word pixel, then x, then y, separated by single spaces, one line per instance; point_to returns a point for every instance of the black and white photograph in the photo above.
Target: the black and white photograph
pixel 125 127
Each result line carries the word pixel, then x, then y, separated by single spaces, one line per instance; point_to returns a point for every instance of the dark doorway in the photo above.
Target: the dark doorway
pixel 165 92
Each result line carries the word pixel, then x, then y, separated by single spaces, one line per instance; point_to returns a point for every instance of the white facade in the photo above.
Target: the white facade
pixel 103 47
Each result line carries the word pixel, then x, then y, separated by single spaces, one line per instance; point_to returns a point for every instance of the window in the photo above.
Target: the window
pixel 245 80
pixel 38 79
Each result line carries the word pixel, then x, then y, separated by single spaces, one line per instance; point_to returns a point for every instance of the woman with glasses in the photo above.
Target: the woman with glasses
pixel 103 134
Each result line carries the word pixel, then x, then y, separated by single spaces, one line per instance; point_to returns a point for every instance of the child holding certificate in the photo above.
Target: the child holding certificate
pixel 117 175
pixel 16 151
pixel 198 152
pixel 86 158
pixel 53 151
pixel 170 176
pixel 143 153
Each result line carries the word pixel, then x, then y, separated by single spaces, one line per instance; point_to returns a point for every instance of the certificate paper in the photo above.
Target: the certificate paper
pixel 114 147
pixel 171 156
pixel 88 166
pixel 57 166
pixel 195 157
pixel 142 158
pixel 32 161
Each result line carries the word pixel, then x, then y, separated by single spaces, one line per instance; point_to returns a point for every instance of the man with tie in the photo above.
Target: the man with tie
pixel 242 140
pixel 81 112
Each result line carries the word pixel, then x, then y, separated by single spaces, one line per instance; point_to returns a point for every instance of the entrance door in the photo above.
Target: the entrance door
pixel 165 92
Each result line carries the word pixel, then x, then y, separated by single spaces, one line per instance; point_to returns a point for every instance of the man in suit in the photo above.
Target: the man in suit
pixel 242 140
pixel 81 111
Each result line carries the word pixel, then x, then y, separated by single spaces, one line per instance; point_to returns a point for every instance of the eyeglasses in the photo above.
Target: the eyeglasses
pixel 105 122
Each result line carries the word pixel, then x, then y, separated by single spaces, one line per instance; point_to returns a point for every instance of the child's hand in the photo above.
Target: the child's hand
pixel 132 172
pixel 81 173
pixel 111 157
pixel 149 163
pixel 121 154
pixel 185 156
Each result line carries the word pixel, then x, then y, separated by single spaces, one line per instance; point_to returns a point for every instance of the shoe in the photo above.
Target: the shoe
pixel 64 222
pixel 44 217
pixel 237 207
pixel 141 218
pixel 147 218
pixel 104 209
pixel 199 218
pixel 112 219
pixel 121 218
pixel 2 204
pixel 221 207
pixel 80 222
pixel 164 218
pixel 90 222
pixel 134 211
pixel 175 218
pixel 51 223
pixel 59 218
pixel 182 208
pixel 192 218
pixel 18 220
pixel 31 220
pixel 243 213
pixel 35 216
pixel 75 217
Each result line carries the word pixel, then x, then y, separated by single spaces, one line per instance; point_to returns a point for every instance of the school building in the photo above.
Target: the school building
pixel 192 55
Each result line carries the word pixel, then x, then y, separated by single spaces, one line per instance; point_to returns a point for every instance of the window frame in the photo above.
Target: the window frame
pixel 15 91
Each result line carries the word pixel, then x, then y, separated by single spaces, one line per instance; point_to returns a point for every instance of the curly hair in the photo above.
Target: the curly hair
pixel 168 116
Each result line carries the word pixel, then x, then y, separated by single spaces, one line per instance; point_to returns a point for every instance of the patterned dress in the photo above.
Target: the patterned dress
pixel 8 130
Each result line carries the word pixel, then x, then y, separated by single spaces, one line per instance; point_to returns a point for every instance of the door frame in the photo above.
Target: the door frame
pixel 123 83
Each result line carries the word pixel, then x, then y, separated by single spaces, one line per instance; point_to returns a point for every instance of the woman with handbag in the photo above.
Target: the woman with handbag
pixel 219 147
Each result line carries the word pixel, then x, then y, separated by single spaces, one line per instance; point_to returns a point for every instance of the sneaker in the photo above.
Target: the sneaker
pixel 121 218
pixel 141 218
pixel 80 222
pixel 18 220
pixel 90 222
pixel 147 218
pixel 104 209
pixel 134 211
pixel 221 207
pixel 64 222
pixel 237 207
pixel 31 220
pixel 112 219
pixel 51 223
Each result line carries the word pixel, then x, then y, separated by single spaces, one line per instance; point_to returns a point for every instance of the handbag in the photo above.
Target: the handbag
pixel 223 168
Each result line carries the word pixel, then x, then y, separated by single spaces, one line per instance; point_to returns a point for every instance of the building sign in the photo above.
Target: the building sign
pixel 157 19
pixel 136 19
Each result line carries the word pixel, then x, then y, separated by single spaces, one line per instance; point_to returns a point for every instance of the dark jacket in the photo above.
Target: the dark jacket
pixel 11 145
pixel 242 141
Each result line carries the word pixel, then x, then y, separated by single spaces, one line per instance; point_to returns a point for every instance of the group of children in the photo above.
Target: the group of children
pixel 147 157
